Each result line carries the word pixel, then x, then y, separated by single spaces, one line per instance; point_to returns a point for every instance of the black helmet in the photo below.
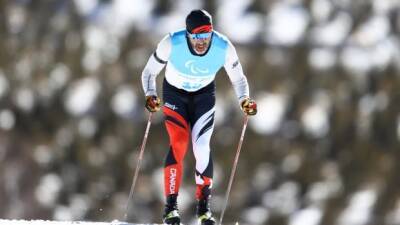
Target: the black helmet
pixel 199 19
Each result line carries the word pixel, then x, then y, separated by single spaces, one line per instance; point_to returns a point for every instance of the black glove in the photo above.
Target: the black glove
pixel 249 106
pixel 153 103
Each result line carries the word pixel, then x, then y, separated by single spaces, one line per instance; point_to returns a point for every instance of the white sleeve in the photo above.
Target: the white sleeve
pixel 154 66
pixel 235 73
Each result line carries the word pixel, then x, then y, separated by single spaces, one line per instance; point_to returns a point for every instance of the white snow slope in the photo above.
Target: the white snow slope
pixel 48 222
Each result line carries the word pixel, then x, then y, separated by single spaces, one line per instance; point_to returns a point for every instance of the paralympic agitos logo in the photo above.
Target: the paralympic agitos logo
pixel 190 64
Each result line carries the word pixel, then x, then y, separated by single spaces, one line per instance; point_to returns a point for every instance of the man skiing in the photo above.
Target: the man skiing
pixel 192 57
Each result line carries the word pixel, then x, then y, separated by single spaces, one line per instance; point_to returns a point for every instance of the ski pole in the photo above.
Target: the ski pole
pixel 139 161
pixel 246 119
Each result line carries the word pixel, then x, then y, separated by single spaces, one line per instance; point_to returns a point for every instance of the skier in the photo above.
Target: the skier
pixel 192 57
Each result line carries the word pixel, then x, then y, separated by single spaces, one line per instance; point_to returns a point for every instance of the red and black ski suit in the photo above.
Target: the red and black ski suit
pixel 189 116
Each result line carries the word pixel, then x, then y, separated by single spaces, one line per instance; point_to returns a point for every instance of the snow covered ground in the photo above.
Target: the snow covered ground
pixel 48 222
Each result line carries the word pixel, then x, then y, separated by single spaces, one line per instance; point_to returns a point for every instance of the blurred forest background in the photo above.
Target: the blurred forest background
pixel 323 148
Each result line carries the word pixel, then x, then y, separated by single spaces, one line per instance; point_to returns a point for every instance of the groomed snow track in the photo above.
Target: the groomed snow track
pixel 48 222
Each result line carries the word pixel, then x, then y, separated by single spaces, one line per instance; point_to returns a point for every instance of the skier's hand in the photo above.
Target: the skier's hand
pixel 249 106
pixel 153 103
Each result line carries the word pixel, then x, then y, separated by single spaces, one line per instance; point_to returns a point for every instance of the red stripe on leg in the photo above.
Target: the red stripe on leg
pixel 169 112
pixel 179 140
pixel 199 187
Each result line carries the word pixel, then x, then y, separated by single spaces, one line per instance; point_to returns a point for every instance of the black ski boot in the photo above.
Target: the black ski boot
pixel 204 214
pixel 171 214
